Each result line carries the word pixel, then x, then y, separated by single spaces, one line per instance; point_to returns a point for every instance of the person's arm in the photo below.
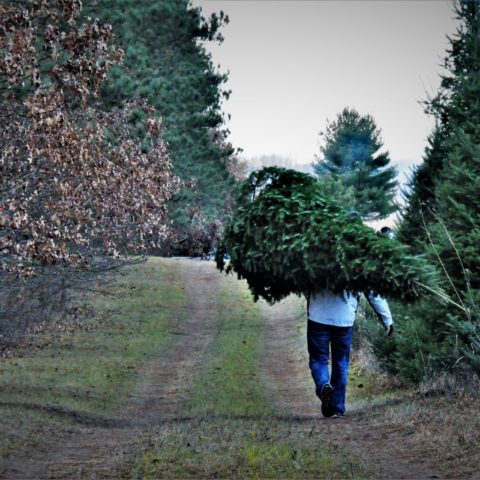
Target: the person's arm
pixel 381 308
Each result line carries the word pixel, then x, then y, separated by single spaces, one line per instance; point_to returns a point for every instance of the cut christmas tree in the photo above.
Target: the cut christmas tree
pixel 287 237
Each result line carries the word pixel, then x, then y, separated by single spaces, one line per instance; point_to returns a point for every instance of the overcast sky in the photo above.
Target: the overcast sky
pixel 295 64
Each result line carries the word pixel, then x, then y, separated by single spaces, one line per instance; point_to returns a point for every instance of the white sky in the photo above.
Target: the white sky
pixel 293 64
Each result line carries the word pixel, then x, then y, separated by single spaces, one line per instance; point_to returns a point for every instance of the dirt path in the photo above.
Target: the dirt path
pixel 99 447
pixel 383 448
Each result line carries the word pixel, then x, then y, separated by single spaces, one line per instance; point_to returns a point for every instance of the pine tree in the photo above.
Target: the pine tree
pixel 445 187
pixel 449 106
pixel 166 64
pixel 287 236
pixel 459 184
pixel 352 152
pixel 419 194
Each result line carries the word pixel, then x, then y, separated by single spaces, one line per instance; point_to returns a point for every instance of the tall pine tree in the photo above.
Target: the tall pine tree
pixel 445 186
pixel 353 153
pixel 447 107
pixel 166 64
pixel 457 236
pixel 457 191
pixel 443 215
pixel 419 194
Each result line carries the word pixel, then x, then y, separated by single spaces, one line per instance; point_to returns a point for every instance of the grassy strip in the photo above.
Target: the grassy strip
pixel 236 433
pixel 242 448
pixel 90 370
pixel 230 385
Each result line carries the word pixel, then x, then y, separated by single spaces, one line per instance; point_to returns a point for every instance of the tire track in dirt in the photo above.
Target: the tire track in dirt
pixel 382 449
pixel 285 361
pixel 160 398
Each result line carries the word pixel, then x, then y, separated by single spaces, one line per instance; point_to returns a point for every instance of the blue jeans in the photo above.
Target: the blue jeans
pixel 321 339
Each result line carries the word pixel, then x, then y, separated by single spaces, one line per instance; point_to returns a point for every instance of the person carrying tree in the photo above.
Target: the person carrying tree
pixel 330 329
pixel 289 237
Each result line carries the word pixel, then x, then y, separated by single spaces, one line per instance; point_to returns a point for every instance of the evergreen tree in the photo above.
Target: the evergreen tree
pixel 336 189
pixel 459 184
pixel 287 236
pixel 446 188
pixel 352 152
pixel 449 106
pixel 419 194
pixel 166 64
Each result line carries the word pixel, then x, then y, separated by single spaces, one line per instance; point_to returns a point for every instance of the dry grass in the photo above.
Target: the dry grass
pixel 460 384
pixel 82 373
pixel 450 427
pixel 441 417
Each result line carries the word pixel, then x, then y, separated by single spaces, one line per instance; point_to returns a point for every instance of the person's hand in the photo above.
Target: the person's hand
pixel 389 330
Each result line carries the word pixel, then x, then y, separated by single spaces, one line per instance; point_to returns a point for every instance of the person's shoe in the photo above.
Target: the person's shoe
pixel 326 398
pixel 337 415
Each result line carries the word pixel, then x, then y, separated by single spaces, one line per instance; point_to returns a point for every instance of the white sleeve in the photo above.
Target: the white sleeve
pixel 380 305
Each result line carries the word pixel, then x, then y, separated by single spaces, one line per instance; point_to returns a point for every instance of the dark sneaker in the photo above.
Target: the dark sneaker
pixel 326 398
pixel 337 415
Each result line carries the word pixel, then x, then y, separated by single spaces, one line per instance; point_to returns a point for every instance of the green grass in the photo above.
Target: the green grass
pixel 230 384
pixel 92 369
pixel 236 448
pixel 236 433
pixel 89 370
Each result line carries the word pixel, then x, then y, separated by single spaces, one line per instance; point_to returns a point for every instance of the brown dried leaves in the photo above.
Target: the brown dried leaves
pixel 74 182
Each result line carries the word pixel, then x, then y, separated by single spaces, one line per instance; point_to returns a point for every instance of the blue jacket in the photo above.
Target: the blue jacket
pixel 339 310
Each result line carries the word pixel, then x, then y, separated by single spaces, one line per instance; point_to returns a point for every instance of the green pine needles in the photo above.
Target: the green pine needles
pixel 287 237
